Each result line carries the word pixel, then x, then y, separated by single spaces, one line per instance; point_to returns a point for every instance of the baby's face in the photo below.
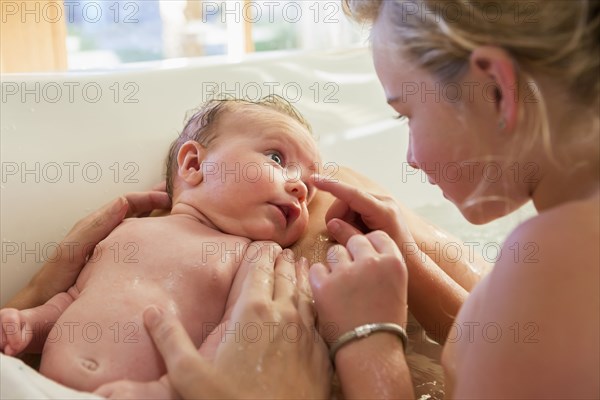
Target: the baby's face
pixel 256 175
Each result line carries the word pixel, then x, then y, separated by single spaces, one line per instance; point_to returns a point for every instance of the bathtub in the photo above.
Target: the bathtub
pixel 72 141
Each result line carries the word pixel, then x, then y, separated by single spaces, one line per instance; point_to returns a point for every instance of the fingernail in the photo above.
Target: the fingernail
pixel 303 262
pixel 288 255
pixel 251 251
pixel 152 315
pixel 333 226
pixel 118 206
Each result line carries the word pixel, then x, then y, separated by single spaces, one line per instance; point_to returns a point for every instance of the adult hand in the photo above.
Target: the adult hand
pixel 59 274
pixel 356 211
pixel 266 348
pixel 434 296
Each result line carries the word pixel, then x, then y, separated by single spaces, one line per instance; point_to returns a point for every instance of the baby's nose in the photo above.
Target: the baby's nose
pixel 297 188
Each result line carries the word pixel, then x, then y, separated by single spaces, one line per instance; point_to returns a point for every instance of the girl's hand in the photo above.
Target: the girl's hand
pixel 355 211
pixel 364 282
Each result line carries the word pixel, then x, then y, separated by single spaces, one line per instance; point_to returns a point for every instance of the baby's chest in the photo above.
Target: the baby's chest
pixel 181 265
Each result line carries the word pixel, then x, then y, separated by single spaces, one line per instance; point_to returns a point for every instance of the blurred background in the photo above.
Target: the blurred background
pixel 55 35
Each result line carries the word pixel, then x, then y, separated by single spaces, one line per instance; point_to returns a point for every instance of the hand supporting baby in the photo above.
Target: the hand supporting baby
pixel 277 355
pixel 58 275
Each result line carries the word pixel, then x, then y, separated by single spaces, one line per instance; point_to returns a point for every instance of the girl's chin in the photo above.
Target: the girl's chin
pixel 447 197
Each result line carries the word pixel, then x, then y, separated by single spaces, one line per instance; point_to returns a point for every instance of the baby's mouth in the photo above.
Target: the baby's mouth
pixel 290 212
pixel 285 210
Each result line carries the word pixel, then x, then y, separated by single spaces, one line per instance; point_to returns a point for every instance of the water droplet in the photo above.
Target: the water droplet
pixel 323 238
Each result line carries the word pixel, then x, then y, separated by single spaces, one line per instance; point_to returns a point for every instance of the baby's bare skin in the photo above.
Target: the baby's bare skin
pixel 169 261
pixel 183 262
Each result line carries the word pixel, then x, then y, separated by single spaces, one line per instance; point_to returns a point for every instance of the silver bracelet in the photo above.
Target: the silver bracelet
pixel 365 330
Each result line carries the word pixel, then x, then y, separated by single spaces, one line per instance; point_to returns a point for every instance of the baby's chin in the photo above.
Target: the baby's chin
pixel 284 239
pixel 265 229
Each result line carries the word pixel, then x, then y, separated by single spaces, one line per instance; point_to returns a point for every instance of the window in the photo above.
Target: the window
pixel 108 33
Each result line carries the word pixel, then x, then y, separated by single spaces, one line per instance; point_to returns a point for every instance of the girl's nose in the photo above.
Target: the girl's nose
pixel 409 156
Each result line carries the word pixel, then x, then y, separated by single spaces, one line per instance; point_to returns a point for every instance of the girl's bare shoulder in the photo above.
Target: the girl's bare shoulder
pixel 567 232
pixel 543 294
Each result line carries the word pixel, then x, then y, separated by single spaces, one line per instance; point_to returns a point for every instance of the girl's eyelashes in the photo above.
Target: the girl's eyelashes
pixel 401 117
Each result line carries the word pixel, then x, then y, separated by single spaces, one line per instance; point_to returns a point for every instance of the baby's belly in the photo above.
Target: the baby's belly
pixel 96 342
pixel 94 358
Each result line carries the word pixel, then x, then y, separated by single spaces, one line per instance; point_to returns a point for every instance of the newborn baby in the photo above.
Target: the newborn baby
pixel 238 172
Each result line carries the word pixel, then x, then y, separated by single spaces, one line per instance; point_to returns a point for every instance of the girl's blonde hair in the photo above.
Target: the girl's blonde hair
pixel 556 38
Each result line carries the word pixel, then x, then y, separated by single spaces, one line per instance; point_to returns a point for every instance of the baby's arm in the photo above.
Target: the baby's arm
pixel 26 330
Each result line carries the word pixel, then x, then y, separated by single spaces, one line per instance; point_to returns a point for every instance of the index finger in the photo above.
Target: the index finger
pixel 169 336
pixel 358 200
pixel 144 202
pixel 187 371
pixel 258 265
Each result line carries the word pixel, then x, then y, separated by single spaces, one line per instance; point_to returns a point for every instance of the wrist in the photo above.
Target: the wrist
pixel 364 331
pixel 374 367
pixel 375 345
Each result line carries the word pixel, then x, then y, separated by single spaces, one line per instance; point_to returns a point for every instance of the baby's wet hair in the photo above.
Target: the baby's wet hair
pixel 202 125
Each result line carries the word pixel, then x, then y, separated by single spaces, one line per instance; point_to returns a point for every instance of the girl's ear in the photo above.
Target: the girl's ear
pixel 189 161
pixel 497 64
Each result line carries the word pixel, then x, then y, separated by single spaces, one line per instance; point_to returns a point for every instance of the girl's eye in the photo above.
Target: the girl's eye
pixel 276 157
pixel 401 117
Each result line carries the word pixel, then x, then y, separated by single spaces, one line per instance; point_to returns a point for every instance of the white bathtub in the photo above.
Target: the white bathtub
pixel 71 142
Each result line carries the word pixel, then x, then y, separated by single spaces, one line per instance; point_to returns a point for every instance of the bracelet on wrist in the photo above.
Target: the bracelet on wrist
pixel 364 331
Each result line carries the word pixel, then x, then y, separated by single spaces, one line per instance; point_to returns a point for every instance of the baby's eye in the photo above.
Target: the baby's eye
pixel 276 157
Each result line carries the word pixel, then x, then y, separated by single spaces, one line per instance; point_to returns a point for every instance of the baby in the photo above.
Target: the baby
pixel 238 172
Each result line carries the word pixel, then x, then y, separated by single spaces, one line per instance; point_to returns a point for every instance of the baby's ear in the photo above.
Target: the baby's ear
pixel 189 161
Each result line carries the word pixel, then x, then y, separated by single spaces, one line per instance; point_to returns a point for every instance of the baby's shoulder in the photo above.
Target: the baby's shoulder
pixel 136 224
